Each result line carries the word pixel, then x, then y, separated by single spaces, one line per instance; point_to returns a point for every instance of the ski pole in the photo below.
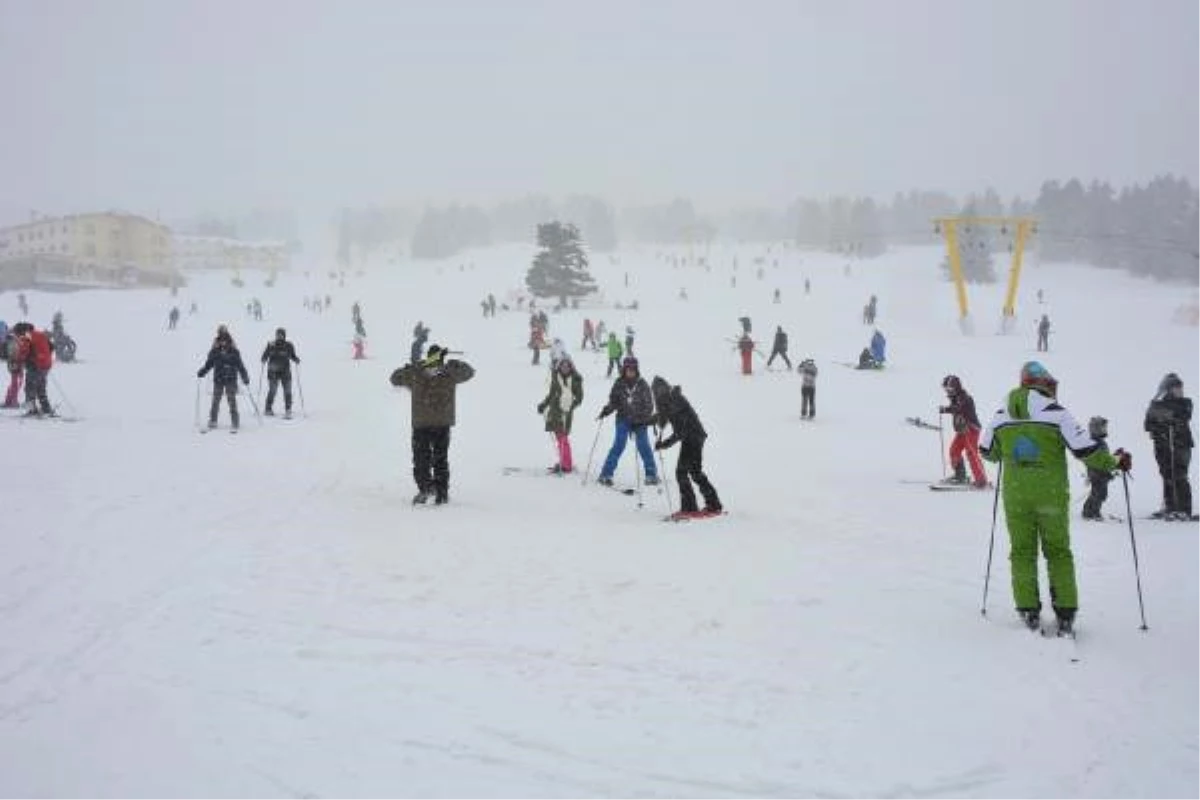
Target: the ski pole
pixel 300 390
pixel 662 476
pixel 254 405
pixel 66 400
pixel 1171 459
pixel 637 472
pixel 987 578
pixel 942 442
pixel 588 470
pixel 1133 545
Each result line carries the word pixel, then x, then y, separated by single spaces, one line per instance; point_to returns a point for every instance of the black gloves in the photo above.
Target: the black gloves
pixel 604 412
pixel 200 374
pixel 1124 460
pixel 541 408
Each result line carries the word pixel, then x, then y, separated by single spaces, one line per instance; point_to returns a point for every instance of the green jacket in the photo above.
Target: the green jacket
pixel 1031 436
pixel 614 348
pixel 433 391
pixel 562 398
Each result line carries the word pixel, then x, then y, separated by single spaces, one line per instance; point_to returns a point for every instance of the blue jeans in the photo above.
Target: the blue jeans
pixel 618 447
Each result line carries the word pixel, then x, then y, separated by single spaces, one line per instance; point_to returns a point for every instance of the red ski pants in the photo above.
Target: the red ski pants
pixel 563 441
pixel 747 362
pixel 967 441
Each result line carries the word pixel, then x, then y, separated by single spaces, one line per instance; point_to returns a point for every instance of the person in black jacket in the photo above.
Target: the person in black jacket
pixel 1168 421
pixel 779 347
pixel 630 398
pixel 226 364
pixel 279 356
pixel 674 408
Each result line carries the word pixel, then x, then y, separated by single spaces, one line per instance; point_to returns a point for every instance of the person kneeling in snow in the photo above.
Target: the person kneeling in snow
pixel 674 409
pixel 562 398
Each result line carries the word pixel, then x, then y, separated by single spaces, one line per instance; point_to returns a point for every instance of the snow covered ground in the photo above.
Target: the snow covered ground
pixel 266 615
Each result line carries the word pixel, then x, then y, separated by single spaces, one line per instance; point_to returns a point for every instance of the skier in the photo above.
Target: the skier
pixel 193 308
pixel 537 341
pixel 779 347
pixel 13 360
pixel 630 398
pixel 1168 421
pixel 23 304
pixel 776 297
pixel 226 364
pixel 558 351
pixel 1043 334
pixel 1098 479
pixel 745 346
pixel 745 323
pixel 491 299
pixel 589 335
pixel 1029 436
pixel 615 350
pixel 35 354
pixel 279 355
pixel 433 383
pixel 629 340
pixel 869 311
pixel 601 336
pixel 563 396
pixel 173 318
pixel 808 388
pixel 965 421
pixel 807 286
pixel 674 409
pixel 420 336
pixel 879 348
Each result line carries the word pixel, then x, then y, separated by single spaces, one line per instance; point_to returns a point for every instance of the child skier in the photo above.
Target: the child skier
pixel 808 388
pixel 1098 479
pixel 226 364
pixel 1029 436
pixel 966 434
pixel 615 350
pixel 433 383
pixel 631 399
pixel 674 409
pixel 279 355
pixel 558 407
pixel 1168 421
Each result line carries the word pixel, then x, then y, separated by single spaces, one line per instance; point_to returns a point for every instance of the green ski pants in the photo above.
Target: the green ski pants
pixel 1047 523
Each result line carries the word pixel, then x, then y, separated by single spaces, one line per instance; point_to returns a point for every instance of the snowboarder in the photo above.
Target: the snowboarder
pixel 1168 421
pixel 1029 436
pixel 433 383
pixel 226 364
pixel 563 396
pixel 745 346
pixel 614 348
pixel 675 410
pixel 633 403
pixel 779 347
pixel 1098 479
pixel 173 318
pixel 420 336
pixel 589 335
pixel 965 422
pixel 808 388
pixel 279 355
pixel 1043 334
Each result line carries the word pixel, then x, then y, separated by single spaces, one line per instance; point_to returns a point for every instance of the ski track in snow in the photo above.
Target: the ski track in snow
pixel 266 614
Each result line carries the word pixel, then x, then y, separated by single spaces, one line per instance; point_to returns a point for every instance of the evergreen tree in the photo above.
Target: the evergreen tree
pixel 561 268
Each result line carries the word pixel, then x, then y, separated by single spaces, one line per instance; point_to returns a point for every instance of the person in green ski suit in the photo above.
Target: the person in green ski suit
pixel 1029 436
pixel 614 350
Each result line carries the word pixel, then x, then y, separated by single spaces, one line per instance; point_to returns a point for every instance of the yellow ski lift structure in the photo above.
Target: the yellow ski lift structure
pixel 1022 228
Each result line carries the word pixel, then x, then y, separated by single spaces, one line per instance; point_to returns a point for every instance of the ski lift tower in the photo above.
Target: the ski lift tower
pixel 1021 227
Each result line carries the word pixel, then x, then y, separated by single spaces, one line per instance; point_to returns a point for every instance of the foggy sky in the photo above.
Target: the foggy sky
pixel 184 105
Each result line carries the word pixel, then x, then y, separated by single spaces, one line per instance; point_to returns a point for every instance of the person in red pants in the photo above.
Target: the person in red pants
pixel 746 348
pixel 966 434
pixel 15 359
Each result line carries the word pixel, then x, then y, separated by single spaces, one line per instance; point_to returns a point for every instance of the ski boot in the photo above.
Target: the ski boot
pixel 652 480
pixel 604 480
pixel 1066 621
pixel 267 412
pixel 1032 617
pixel 287 413
pixel 420 498
pixel 441 497
pixel 959 477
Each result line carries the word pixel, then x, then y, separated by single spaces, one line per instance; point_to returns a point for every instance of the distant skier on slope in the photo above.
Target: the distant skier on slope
pixel 675 410
pixel 965 422
pixel 1168 421
pixel 563 396
pixel 614 350
pixel 779 347
pixel 226 365
pixel 633 403
pixel 433 384
pixel 1029 436
pixel 808 388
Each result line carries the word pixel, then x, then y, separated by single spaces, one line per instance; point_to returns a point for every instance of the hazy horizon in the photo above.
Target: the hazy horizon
pixel 180 107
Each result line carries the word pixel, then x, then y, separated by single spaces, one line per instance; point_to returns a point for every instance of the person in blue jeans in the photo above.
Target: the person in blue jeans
pixel 631 399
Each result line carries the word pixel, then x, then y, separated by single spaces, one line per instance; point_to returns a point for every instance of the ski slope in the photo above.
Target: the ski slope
pixel 266 615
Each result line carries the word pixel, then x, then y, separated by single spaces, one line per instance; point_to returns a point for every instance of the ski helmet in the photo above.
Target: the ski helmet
pixel 951 383
pixel 1098 428
pixel 1035 375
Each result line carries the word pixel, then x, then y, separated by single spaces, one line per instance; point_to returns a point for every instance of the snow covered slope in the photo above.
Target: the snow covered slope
pixel 265 614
